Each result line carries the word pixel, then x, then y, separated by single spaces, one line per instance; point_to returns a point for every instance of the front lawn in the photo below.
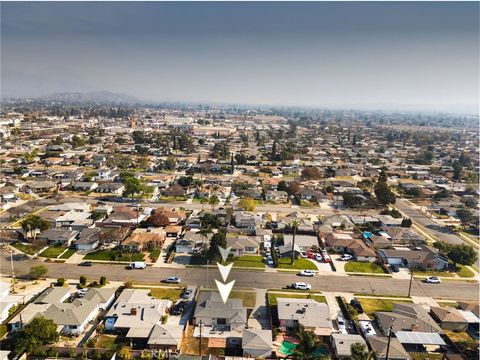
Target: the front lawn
pixel 172 294
pixel 154 254
pixel 371 305
pixel 433 273
pixel 464 271
pixel 106 342
pixel 298 264
pixel 112 255
pixel 272 297
pixel 254 261
pixel 363 267
pixel 249 298
pixel 67 254
pixel 27 248
pixel 52 251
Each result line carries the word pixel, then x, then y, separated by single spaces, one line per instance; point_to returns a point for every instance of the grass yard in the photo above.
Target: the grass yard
pixel 154 254
pixel 190 345
pixel 421 274
pixel 106 342
pixel 464 271
pixel 172 294
pixel 371 305
pixel 249 298
pixel 363 267
pixel 52 251
pixel 272 297
pixel 67 254
pixel 298 264
pixel 3 330
pixel 460 336
pixel 198 260
pixel 254 261
pixel 112 255
pixel 27 248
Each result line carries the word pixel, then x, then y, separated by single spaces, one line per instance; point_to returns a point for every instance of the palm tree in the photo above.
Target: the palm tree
pixel 294 225
pixel 307 344
pixel 204 232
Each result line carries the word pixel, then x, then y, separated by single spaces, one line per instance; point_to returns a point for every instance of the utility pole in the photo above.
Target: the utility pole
pixel 200 342
pixel 13 272
pixel 412 268
pixel 388 343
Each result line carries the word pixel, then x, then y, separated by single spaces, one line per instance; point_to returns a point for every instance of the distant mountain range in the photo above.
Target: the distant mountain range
pixel 101 97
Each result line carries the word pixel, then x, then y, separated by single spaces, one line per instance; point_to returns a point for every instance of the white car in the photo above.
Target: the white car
pixel 172 280
pixel 309 273
pixel 341 324
pixel 433 280
pixel 303 254
pixel 345 257
pixel 318 257
pixel 302 286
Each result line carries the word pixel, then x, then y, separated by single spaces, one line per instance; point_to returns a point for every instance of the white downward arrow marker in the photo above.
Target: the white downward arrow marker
pixel 224 252
pixel 225 289
pixel 224 270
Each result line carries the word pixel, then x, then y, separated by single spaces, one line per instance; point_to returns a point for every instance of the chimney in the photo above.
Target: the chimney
pixel 133 311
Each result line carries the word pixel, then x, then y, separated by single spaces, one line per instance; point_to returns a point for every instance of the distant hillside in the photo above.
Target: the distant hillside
pixel 99 97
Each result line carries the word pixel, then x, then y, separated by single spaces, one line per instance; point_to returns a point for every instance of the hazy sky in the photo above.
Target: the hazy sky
pixel 322 54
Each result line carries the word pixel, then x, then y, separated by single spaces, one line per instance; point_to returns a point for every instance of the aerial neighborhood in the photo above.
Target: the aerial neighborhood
pixel 351 234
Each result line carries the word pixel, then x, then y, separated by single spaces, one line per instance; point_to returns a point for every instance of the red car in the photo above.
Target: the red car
pixel 311 255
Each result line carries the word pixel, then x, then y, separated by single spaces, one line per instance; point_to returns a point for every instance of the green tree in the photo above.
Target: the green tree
pixel 457 170
pixel 383 193
pixel 103 280
pixel 213 201
pixel 307 344
pixel 217 240
pixel 247 204
pixel 125 354
pixel 359 352
pixel 462 254
pixel 83 280
pixel 464 215
pixel 406 223
pixel 32 223
pixel 35 334
pixel 37 271
pixel 294 226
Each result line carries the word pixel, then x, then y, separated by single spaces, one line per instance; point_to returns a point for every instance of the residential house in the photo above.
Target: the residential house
pixel 421 257
pixel 111 188
pixel 7 301
pixel 342 344
pixel 379 345
pixel 277 196
pixel 211 311
pixel 192 240
pixel 56 236
pixel 312 195
pixel 40 187
pixel 88 239
pixel 257 343
pixel 406 317
pixel 140 239
pixel 404 236
pixel 84 186
pixel 311 314
pixel 339 222
pixel 303 242
pixel 173 231
pixel 124 216
pixel 246 221
pixel 243 245
pixel 387 221
pixel 449 318
pixel 165 336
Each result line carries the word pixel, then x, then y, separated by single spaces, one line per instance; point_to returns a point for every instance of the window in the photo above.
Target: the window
pixel 221 321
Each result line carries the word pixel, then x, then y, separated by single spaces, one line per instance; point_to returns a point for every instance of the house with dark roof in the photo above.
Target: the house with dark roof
pixel 449 318
pixel 58 236
pixel 404 236
pixel 379 346
pixel 420 257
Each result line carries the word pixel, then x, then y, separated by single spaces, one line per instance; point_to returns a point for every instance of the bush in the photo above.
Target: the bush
pixel 37 271
pixel 83 280
pixel 71 353
pixel 129 285
pixel 103 280
pixel 91 342
pixel 60 282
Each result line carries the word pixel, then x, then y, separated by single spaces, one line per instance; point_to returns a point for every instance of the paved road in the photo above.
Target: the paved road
pixel 252 279
pixel 431 227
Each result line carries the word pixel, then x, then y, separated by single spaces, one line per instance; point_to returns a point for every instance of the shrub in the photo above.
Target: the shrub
pixel 83 280
pixel 37 271
pixel 103 280
pixel 52 352
pixel 60 282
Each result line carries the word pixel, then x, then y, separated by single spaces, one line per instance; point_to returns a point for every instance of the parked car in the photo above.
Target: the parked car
pixel 318 257
pixel 136 265
pixel 303 254
pixel 302 286
pixel 82 292
pixel 433 280
pixel 356 305
pixel 311 255
pixel 177 309
pixel 395 268
pixel 172 280
pixel 187 294
pixel 341 324
pixel 269 261
pixel 85 263
pixel 326 258
pixel 345 257
pixel 308 273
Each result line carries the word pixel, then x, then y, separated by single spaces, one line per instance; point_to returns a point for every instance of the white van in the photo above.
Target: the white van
pixel 137 265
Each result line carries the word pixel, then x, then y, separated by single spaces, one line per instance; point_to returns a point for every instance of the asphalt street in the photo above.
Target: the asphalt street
pixel 250 279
